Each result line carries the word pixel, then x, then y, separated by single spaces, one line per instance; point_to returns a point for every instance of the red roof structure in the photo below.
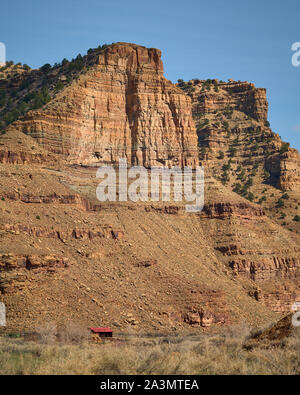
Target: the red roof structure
pixel 101 330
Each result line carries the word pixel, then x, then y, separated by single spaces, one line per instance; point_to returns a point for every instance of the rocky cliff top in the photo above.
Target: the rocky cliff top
pixel 122 106
pixel 132 58
pixel 209 96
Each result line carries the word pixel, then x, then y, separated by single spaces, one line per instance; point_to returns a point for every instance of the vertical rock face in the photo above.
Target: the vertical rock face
pixel 122 107
pixel 285 168
pixel 242 96
pixel 231 119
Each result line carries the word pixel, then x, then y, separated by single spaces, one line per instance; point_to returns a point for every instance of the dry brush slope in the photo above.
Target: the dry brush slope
pixel 150 266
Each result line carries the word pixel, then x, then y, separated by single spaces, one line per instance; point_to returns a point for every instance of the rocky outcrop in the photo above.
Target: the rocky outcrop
pixel 274 336
pixel 148 263
pixel 167 209
pixel 280 301
pixel 267 268
pixel 23 157
pixel 216 210
pixel 122 107
pixel 75 200
pixel 10 261
pixel 201 318
pixel 209 308
pixel 62 234
pixel 14 268
pixel 222 210
pixel 285 169
pixel 237 95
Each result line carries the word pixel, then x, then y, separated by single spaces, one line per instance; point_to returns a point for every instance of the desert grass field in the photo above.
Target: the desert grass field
pixel 203 354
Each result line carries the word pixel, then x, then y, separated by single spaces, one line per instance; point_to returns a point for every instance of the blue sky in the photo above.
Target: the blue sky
pixel 243 40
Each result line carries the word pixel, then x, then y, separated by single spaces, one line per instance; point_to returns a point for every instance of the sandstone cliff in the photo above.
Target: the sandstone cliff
pixel 122 107
pixel 232 119
pixel 242 96
pixel 237 145
pixel 285 168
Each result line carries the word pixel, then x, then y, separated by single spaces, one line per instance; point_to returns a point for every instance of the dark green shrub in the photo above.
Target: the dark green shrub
pixel 250 196
pixel 232 152
pixel 280 203
pixel 284 148
pixel 46 68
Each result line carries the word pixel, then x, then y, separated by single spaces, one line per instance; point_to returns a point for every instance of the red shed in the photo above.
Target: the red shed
pixel 102 332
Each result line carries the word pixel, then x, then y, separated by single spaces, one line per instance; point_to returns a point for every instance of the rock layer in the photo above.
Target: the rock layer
pixel 266 269
pixel 285 168
pixel 242 96
pixel 122 107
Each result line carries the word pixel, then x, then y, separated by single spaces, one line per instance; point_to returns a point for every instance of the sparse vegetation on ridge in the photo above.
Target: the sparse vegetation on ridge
pixel 24 89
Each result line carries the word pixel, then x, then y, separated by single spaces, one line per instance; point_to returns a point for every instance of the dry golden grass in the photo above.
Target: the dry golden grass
pixel 203 354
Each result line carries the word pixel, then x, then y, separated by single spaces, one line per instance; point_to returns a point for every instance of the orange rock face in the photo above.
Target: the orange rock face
pixel 242 96
pixel 286 169
pixel 123 107
pixel 267 268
